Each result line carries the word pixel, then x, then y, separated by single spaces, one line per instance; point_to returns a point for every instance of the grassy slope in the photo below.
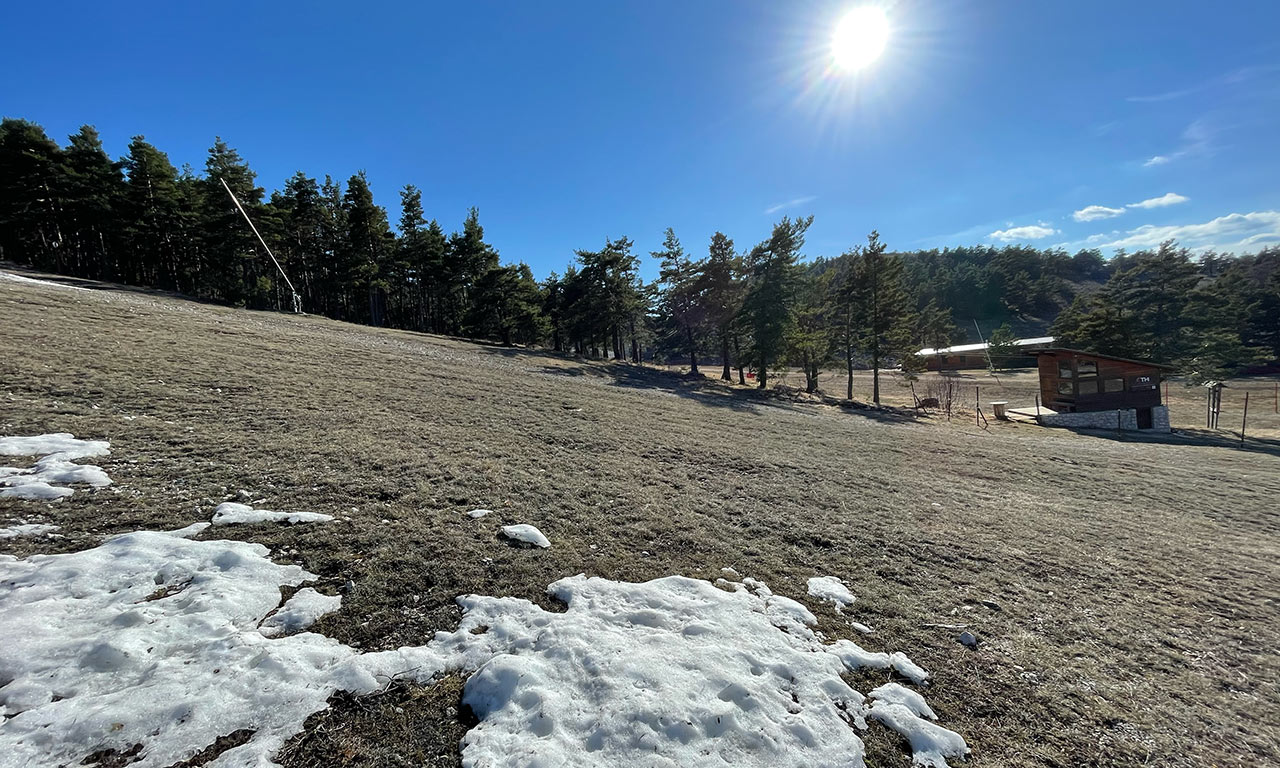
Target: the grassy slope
pixel 1139 582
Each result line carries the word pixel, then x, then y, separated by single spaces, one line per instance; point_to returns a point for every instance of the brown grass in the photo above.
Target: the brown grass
pixel 1137 581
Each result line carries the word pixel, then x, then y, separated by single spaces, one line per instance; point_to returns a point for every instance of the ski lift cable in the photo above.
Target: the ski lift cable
pixel 296 299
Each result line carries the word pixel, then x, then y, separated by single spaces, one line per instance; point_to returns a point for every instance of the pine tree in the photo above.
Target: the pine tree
pixel 881 316
pixel 679 295
pixel 93 194
pixel 233 270
pixel 769 304
pixel 720 289
pixel 153 206
pixel 363 252
pixel 811 339
pixel 30 180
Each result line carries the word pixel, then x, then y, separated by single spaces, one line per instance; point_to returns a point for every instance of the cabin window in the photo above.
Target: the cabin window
pixel 1064 370
pixel 1087 367
pixel 1088 386
pixel 1113 385
pixel 1064 388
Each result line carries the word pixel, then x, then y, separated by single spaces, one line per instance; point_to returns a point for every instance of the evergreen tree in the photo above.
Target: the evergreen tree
pixel 93 194
pixel 880 306
pixel 811 339
pixel 30 180
pixel 233 271
pixel 154 209
pixel 679 295
pixel 720 290
pixel 363 252
pixel 769 304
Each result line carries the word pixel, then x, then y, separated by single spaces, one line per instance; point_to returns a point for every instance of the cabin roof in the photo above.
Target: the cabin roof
pixel 1064 350
pixel 982 346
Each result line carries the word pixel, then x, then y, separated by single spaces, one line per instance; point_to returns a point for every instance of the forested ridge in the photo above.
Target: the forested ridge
pixel 139 220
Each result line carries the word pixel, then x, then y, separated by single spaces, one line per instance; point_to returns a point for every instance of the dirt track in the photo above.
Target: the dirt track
pixel 1137 582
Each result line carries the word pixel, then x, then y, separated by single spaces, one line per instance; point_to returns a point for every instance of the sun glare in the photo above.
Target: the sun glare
pixel 860 38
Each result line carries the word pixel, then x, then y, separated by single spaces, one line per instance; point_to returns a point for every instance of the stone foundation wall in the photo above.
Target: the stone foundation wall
pixel 1126 419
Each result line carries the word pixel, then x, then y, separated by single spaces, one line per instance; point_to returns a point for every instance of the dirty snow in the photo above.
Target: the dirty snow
pixel 47 479
pixel 156 639
pixel 527 534
pixel 233 513
pixel 27 529
pixel 300 612
pixel 833 589
pixel 151 638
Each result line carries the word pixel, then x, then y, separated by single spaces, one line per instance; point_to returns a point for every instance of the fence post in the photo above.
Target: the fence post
pixel 977 406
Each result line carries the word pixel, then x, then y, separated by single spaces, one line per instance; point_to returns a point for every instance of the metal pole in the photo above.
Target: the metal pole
pixel 977 403
pixel 288 282
pixel 1244 420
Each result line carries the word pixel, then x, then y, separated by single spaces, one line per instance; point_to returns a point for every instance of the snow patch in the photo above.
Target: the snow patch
pixel 27 529
pixel 233 513
pixel 300 612
pixel 160 640
pixel 476 514
pixel 56 467
pixel 833 589
pixel 526 533
pixel 152 639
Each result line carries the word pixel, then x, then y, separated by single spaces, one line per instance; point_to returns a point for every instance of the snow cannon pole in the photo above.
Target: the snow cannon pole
pixel 297 300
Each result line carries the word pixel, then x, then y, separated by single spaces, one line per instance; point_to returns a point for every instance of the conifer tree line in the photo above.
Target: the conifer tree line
pixel 760 308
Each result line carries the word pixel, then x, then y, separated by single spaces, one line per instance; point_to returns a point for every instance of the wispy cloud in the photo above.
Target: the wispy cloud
pixel 1235 231
pixel 1197 139
pixel 1167 96
pixel 1234 77
pixel 1026 232
pixel 1095 212
pixel 790 204
pixel 1163 201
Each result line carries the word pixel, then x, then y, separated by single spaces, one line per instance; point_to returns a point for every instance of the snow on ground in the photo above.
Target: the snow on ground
pixel 833 589
pixel 232 513
pixel 527 534
pixel 159 640
pixel 46 479
pixel 300 612
pixel 27 529
pixel 32 281
pixel 152 639
pixel 476 514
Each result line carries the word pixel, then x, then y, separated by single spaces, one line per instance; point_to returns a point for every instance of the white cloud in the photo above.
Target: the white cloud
pixel 1028 232
pixel 1167 199
pixel 1235 231
pixel 1197 139
pixel 790 204
pixel 1157 160
pixel 1095 212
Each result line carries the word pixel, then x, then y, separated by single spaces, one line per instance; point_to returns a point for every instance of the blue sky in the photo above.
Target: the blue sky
pixel 1108 124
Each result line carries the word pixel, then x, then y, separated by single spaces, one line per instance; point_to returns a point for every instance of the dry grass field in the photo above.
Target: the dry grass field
pixel 1136 582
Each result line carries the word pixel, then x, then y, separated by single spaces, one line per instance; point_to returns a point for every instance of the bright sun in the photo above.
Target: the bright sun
pixel 860 37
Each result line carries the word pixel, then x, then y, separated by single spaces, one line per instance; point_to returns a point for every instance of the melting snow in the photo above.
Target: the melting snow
pixel 833 589
pixel 527 534
pixel 155 639
pixel 56 466
pixel 476 514
pixel 232 513
pixel 27 529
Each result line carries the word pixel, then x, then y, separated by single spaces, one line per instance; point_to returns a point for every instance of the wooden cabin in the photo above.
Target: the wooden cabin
pixel 1072 381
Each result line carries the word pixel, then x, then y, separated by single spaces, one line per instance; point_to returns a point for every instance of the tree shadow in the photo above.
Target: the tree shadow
pixel 719 394
pixel 1197 437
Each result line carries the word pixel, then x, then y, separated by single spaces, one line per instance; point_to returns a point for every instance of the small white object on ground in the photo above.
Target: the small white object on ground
pixel 27 529
pixel 476 514
pixel 833 589
pixel 56 466
pixel 232 513
pixel 863 628
pixel 526 533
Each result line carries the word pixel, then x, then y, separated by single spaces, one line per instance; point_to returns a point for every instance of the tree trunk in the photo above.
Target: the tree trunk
pixel 737 358
pixel 875 374
pixel 764 371
pixel 724 356
pixel 848 358
pixel 693 351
